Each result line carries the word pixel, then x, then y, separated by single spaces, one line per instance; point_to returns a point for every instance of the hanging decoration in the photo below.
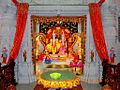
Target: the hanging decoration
pixel 15 2
pixel 59 19
pixel 97 30
pixel 22 12
pixel 101 2
pixel 71 23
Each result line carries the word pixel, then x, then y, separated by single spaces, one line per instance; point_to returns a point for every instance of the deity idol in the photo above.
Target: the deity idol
pixel 49 46
pixel 112 55
pixel 4 55
pixel 53 46
pixel 53 38
pixel 92 55
pixel 47 59
pixel 62 47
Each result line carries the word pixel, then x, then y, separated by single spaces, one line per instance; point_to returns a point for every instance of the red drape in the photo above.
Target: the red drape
pixel 101 2
pixel 15 2
pixel 97 30
pixel 22 13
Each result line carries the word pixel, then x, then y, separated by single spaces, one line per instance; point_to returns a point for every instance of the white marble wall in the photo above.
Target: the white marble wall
pixel 7 28
pixel 110 25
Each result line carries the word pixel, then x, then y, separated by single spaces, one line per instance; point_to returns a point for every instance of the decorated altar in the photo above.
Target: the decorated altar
pixel 58 47
pixel 58 39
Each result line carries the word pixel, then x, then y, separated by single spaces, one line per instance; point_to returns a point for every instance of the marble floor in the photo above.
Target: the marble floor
pixel 85 86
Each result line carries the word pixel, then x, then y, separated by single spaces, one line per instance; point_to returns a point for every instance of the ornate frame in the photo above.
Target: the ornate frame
pixel 75 19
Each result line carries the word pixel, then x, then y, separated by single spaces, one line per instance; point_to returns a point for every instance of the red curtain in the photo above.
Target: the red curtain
pixel 15 2
pixel 97 30
pixel 22 13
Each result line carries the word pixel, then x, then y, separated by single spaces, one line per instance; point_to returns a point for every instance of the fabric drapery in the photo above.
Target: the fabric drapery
pixel 22 13
pixel 15 2
pixel 101 2
pixel 97 30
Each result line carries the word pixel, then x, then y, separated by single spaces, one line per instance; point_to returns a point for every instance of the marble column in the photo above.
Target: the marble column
pixel 92 70
pixel 25 70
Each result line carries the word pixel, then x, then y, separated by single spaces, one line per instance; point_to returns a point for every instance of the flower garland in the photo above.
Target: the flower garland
pixel 58 83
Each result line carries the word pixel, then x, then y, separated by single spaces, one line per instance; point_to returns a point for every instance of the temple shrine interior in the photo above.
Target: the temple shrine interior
pixel 59 45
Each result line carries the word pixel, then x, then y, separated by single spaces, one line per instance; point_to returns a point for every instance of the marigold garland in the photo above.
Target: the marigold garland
pixel 59 83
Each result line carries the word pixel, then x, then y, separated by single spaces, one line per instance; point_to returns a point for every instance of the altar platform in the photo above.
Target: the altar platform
pixel 67 81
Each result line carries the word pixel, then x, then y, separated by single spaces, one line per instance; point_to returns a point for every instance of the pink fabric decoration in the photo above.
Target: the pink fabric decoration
pixel 79 64
pixel 76 64
pixel 72 64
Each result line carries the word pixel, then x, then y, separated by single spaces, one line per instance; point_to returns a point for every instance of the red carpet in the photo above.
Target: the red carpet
pixel 41 87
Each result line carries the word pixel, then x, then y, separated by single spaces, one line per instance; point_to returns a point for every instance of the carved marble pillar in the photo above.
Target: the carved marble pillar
pixel 25 70
pixel 92 70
